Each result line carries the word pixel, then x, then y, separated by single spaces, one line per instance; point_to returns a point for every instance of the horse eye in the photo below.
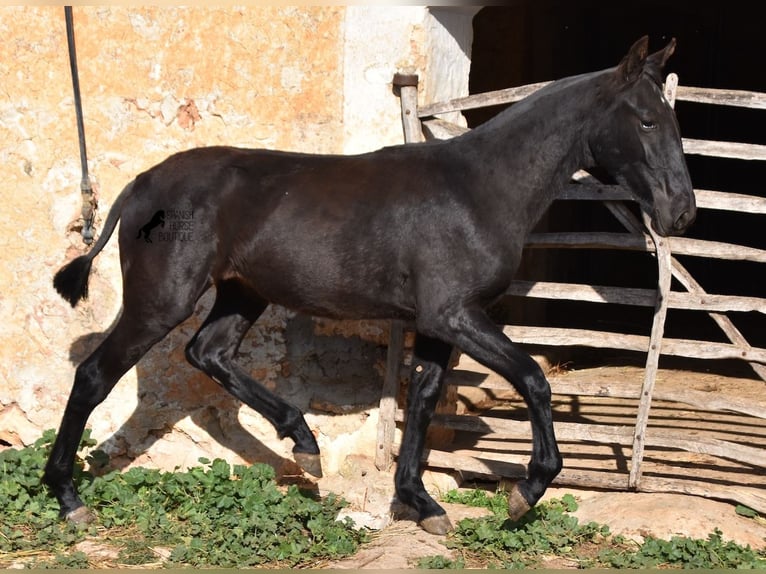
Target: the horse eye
pixel 648 125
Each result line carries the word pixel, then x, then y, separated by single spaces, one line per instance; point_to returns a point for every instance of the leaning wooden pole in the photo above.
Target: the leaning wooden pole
pixel 653 356
pixel 665 276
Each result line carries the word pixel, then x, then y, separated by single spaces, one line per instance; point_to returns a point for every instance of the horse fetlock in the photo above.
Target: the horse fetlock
pixel 542 471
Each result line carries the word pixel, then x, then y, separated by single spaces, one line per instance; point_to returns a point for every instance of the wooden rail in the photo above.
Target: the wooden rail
pixel 423 123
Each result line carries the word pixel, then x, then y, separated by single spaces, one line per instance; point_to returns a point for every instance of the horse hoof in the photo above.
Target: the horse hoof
pixel 310 463
pixel 80 515
pixel 517 504
pixel 438 524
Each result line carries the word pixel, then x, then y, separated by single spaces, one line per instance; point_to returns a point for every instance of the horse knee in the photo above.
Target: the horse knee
pixel 532 383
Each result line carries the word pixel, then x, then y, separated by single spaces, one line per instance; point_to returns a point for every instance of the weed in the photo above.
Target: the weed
pixel 684 552
pixel 550 533
pixel 211 515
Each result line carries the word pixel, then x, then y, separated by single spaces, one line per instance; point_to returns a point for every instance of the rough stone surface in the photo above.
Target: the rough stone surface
pixel 154 81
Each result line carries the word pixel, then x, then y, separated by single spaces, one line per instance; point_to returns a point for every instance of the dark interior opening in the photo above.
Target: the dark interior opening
pixel 719 46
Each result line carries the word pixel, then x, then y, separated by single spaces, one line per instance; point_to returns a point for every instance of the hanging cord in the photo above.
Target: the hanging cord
pixel 88 201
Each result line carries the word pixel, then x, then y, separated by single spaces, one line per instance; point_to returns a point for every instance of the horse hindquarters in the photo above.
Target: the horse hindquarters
pixel 160 289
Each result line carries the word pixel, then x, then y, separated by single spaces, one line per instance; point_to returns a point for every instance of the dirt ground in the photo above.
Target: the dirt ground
pixel 398 542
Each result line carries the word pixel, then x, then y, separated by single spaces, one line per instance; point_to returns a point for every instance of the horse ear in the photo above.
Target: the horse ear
pixel 658 59
pixel 633 63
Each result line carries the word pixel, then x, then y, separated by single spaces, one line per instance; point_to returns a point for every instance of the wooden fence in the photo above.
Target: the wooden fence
pixel 422 123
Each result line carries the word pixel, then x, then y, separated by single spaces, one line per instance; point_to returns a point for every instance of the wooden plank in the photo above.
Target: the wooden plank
pixel 562 385
pixel 732 150
pixel 599 433
pixel 751 497
pixel 723 322
pixel 587 338
pixel 715 250
pixel 739 98
pixel 581 292
pixel 589 240
pixel 725 201
pixel 442 130
pixel 494 98
pixel 594 192
pixel 708 401
pixel 631 242
pixel 634 296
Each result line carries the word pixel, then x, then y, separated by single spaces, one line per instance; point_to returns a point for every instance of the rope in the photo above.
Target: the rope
pixel 85 186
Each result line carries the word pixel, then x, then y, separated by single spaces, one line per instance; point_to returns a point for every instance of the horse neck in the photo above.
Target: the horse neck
pixel 530 151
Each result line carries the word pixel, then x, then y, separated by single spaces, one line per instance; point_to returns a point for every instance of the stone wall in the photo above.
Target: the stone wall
pixel 155 81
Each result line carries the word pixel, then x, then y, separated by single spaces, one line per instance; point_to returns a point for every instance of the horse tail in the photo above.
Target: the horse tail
pixel 71 281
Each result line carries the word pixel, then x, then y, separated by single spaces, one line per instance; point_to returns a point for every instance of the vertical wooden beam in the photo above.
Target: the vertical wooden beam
pixel 384 451
pixel 670 89
pixel 407 85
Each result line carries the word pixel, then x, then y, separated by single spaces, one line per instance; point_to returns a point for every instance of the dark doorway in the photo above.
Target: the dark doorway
pixel 719 46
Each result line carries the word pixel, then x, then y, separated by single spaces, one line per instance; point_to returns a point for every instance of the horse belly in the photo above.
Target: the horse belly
pixel 313 294
pixel 322 275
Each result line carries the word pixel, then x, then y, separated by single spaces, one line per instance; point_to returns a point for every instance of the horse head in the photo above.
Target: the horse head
pixel 637 140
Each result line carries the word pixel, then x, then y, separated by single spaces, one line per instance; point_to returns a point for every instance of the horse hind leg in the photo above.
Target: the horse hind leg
pixel 94 379
pixel 213 349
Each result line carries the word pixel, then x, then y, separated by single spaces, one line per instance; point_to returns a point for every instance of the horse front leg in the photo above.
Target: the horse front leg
pixel 474 333
pixel 429 367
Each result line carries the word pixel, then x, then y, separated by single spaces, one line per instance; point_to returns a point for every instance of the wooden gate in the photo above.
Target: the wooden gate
pixel 740 458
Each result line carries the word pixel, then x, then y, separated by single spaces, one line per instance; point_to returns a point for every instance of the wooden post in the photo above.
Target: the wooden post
pixel 384 452
pixel 407 84
pixel 671 87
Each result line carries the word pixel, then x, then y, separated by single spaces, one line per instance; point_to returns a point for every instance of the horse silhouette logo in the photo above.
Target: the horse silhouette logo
pixel 158 219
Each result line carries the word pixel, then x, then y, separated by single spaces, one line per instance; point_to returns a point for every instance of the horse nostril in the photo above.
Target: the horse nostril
pixel 684 221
